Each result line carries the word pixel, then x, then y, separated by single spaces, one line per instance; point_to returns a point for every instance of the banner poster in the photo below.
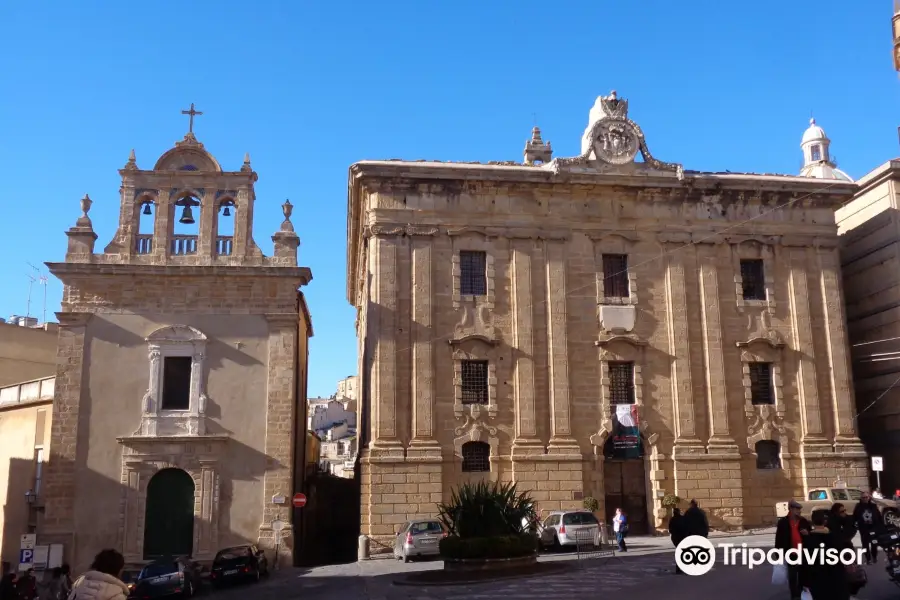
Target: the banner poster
pixel 625 440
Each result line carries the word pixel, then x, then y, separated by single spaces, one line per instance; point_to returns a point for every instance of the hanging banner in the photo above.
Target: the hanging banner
pixel 625 440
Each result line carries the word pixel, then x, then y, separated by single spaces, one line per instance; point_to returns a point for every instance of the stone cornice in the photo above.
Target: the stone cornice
pixel 73 319
pixel 283 319
pixel 303 275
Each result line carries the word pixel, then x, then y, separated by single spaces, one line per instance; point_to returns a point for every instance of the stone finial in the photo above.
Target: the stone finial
pixel 286 240
pixel 246 166
pixel 86 203
pixel 131 165
pixel 288 209
pixel 536 151
pixel 82 236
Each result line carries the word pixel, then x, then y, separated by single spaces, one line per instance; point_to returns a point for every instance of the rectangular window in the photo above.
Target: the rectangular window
pixel 621 383
pixel 761 389
pixel 753 278
pixel 38 470
pixel 475 382
pixel 472 273
pixel 176 383
pixel 816 153
pixel 615 276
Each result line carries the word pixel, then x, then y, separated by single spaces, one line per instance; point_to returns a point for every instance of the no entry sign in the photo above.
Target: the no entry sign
pixel 299 500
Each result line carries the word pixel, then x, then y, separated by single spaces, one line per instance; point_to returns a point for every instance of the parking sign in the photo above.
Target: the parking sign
pixel 26 558
pixel 877 463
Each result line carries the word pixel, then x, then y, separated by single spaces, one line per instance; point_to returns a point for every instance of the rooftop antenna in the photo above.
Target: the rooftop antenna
pixel 31 280
pixel 41 280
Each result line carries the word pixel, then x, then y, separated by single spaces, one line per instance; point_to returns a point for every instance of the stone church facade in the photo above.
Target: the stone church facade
pixel 181 370
pixel 607 325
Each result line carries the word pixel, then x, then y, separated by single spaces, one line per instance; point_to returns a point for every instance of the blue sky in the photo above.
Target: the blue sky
pixel 309 88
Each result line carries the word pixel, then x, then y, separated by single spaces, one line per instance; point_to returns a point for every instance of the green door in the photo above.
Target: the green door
pixel 169 522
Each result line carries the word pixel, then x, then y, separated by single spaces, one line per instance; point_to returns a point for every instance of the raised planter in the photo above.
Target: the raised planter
pixel 488 564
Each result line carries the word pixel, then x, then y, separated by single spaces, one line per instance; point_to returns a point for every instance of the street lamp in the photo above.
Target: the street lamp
pixel 30 497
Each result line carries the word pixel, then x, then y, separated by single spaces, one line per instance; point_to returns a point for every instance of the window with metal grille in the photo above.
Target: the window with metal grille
pixel 768 454
pixel 476 457
pixel 615 275
pixel 472 273
pixel 474 382
pixel 621 383
pixel 753 278
pixel 761 389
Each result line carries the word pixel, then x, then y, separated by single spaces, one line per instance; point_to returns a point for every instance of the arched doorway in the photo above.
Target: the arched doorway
pixel 624 472
pixel 169 521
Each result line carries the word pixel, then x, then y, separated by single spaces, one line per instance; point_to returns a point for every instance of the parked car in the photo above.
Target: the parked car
pixel 168 577
pixel 823 498
pixel 565 527
pixel 418 538
pixel 246 562
pixel 129 578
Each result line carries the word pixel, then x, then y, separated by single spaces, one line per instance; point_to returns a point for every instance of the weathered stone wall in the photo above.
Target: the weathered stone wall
pixel 547 417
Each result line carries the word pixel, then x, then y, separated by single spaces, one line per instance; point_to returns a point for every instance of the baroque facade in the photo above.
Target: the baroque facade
pixel 607 325
pixel 181 375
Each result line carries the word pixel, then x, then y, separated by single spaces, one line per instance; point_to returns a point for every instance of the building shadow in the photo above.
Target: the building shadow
pixel 17 513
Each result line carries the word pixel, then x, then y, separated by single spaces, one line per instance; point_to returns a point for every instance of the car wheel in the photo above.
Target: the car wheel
pixel 892 518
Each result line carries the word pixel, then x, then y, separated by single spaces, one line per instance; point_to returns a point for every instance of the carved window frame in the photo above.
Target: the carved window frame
pixel 175 341
pixel 620 348
pixel 615 244
pixel 469 242
pixel 762 351
pixel 474 347
pixel 754 249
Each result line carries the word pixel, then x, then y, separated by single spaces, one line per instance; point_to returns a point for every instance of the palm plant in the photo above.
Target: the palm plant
pixel 479 510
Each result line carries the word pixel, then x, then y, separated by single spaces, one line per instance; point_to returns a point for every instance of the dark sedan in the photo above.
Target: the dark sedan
pixel 167 578
pixel 239 563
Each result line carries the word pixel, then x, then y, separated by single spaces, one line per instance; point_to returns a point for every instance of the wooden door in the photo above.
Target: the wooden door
pixel 169 518
pixel 625 487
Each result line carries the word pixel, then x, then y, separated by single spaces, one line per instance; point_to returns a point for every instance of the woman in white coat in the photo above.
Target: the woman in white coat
pixel 102 581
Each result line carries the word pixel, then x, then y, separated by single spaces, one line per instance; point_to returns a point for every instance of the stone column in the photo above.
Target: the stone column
pixel 423 445
pixel 131 543
pixel 804 348
pixel 242 223
pixel 846 437
pixel 384 365
pixel 561 440
pixel 280 407
pixel 58 522
pixel 209 517
pixel 685 421
pixel 523 343
pixel 720 439
pixel 162 227
pixel 206 241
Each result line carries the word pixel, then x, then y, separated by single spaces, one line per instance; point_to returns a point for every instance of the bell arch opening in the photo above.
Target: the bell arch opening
pixel 186 226
pixel 226 216
pixel 169 515
pixel 146 225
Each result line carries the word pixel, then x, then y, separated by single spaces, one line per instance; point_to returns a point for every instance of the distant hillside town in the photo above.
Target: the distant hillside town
pixel 333 421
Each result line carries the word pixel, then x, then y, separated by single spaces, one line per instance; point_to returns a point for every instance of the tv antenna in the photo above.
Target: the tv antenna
pixel 41 279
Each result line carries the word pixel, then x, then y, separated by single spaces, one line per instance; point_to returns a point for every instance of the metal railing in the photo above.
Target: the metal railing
pixel 143 243
pixel 184 244
pixel 591 545
pixel 224 245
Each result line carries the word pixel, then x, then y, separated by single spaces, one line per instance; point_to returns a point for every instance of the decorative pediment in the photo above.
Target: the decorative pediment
pixel 770 338
pixel 474 337
pixel 631 339
pixel 176 334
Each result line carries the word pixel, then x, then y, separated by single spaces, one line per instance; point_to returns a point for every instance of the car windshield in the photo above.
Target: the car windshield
pixel 233 553
pixel 579 519
pixel 427 527
pixel 854 494
pixel 158 569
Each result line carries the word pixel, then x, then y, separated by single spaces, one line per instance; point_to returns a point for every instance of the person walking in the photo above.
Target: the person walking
pixel 620 527
pixel 695 521
pixel 103 581
pixel 677 533
pixel 26 586
pixel 66 571
pixel 789 533
pixel 841 525
pixel 8 589
pixel 823 581
pixel 869 523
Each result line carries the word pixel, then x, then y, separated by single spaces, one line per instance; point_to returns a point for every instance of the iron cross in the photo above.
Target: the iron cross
pixel 192 113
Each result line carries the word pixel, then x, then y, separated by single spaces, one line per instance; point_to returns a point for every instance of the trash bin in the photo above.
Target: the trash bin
pixel 362 549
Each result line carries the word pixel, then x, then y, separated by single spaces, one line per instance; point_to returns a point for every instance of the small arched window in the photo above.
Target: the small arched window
pixel 768 455
pixel 476 457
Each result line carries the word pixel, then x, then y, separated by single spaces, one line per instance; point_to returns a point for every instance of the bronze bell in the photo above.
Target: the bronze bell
pixel 227 212
pixel 187 216
pixel 147 209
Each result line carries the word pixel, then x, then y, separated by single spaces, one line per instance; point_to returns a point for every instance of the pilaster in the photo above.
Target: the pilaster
pixel 60 476
pixel 423 445
pixel 846 437
pixel 720 438
pixel 679 349
pixel 384 369
pixel 526 440
pixel 162 228
pixel 804 347
pixel 207 232
pixel 561 438
pixel 243 218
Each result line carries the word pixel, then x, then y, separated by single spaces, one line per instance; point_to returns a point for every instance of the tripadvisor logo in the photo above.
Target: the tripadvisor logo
pixel 696 555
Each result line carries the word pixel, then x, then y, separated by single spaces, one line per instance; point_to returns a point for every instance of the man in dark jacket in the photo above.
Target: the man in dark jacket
pixel 677 533
pixel 695 521
pixel 868 521
pixel 789 533
pixel 824 581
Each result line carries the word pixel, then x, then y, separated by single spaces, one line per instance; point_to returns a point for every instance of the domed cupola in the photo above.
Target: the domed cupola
pixel 817 156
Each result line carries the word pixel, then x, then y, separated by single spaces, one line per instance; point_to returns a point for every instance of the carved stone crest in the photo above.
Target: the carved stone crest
pixel 616 142
pixel 767 424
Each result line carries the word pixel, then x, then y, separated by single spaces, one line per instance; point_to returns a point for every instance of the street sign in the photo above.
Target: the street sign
pixel 278 526
pixel 877 464
pixel 299 500
pixel 278 499
pixel 27 541
pixel 26 558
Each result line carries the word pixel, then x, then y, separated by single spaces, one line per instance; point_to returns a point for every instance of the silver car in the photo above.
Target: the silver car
pixel 418 538
pixel 565 527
